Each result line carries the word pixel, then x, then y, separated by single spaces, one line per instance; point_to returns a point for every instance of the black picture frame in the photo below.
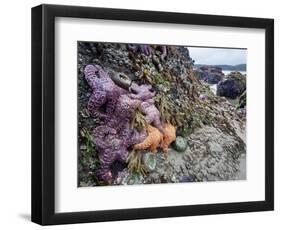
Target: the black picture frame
pixel 43 114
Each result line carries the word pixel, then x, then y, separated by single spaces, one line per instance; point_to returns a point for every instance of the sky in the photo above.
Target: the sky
pixel 217 56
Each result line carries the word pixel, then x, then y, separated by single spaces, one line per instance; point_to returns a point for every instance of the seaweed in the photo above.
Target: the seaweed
pixel 138 122
pixel 173 111
pixel 188 127
pixel 88 160
pixel 154 78
pixel 159 79
pixel 135 164
pixel 88 141
pixel 164 106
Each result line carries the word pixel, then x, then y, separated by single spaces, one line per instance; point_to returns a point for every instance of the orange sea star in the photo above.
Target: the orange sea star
pixel 151 142
pixel 169 137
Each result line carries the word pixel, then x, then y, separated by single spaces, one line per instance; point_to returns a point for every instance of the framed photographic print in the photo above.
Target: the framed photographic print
pixel 142 114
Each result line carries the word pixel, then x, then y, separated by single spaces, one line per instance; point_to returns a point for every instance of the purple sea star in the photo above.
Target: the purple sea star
pixel 145 94
pixel 116 106
pixel 152 115
pixel 104 91
pixel 142 92
pixel 163 50
pixel 115 137
pixel 145 49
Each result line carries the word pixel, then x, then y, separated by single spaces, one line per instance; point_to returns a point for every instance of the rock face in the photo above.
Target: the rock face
pixel 153 85
pixel 209 74
pixel 232 86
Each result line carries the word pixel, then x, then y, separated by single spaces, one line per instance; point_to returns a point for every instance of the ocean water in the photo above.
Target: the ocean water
pixel 226 71
pixel 229 71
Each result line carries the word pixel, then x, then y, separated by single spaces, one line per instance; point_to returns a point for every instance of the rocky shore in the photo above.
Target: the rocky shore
pixel 231 86
pixel 209 74
pixel 209 143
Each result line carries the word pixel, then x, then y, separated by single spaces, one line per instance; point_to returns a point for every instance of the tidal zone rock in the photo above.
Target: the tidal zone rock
pixel 232 86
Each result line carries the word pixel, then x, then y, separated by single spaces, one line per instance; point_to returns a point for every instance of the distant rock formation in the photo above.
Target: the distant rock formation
pixel 239 67
pixel 210 74
pixel 232 86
